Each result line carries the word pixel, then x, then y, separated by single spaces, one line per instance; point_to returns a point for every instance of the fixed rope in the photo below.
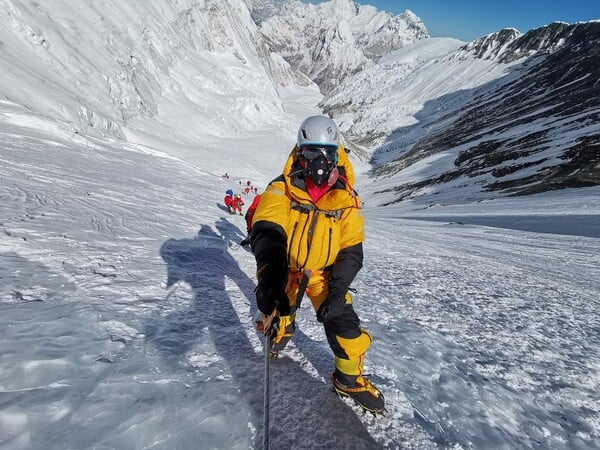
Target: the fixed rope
pixel 266 326
pixel 266 393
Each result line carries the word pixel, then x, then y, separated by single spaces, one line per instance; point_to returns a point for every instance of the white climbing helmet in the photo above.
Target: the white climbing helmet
pixel 318 130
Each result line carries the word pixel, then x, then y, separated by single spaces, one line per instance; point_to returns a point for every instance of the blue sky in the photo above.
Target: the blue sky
pixel 470 19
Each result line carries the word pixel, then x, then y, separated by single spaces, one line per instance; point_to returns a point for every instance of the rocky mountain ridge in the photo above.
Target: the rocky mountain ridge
pixel 533 127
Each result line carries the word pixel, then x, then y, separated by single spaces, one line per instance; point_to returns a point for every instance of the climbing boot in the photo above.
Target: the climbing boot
pixel 359 389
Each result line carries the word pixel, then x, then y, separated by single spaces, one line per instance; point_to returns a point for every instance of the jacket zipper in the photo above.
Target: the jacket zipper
pixel 328 246
pixel 289 259
pixel 311 229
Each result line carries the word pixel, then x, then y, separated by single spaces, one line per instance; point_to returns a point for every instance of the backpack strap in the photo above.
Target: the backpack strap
pixel 306 208
pixel 351 190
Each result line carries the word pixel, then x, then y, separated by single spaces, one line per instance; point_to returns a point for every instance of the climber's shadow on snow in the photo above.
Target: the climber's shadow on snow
pixel 204 264
pixel 210 319
pixel 222 207
pixel 230 231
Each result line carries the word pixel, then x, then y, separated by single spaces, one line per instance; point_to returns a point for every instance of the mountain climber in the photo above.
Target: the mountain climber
pixel 307 235
pixel 237 204
pixel 228 200
pixel 248 216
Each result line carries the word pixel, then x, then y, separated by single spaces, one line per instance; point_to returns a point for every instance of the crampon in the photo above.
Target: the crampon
pixel 361 390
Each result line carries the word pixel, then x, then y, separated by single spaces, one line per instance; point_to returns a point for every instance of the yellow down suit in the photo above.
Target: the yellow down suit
pixel 294 238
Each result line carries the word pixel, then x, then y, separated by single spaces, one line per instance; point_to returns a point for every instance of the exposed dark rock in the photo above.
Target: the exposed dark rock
pixel 491 45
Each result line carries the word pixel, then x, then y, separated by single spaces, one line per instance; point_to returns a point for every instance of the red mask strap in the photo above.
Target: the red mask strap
pixel 333 177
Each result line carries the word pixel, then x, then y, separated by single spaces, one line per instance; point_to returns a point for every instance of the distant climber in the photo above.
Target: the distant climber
pixel 237 204
pixel 228 200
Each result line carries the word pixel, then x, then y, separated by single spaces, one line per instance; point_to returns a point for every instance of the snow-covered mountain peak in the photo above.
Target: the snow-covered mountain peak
pixel 335 39
pixel 408 15
pixel 342 8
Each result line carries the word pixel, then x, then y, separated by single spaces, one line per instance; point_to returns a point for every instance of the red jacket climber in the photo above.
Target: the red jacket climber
pixel 228 200
pixel 237 204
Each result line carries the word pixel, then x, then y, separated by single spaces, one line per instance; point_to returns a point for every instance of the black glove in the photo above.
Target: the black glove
pixel 330 309
pixel 270 292
pixel 270 249
pixel 268 299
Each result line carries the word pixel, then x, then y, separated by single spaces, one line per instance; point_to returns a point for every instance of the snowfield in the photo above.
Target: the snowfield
pixel 127 304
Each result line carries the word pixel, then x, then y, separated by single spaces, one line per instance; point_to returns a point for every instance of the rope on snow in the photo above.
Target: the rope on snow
pixel 266 394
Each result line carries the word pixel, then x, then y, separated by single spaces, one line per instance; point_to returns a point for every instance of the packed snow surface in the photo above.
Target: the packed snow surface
pixel 127 305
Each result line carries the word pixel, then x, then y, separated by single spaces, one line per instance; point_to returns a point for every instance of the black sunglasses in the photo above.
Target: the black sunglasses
pixel 310 152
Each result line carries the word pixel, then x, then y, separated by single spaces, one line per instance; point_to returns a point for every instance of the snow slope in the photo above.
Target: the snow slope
pixel 126 303
pixel 127 312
